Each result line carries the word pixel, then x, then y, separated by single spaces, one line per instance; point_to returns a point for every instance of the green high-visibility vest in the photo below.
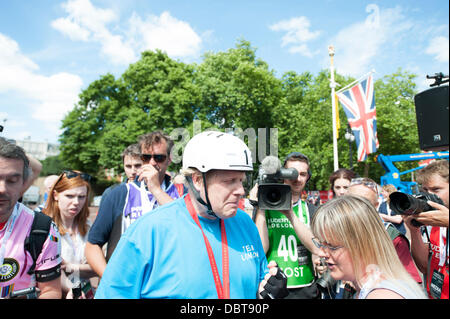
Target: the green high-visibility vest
pixel 286 248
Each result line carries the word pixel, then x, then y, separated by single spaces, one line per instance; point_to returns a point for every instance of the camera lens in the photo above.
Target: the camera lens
pixel 273 196
pixel 402 203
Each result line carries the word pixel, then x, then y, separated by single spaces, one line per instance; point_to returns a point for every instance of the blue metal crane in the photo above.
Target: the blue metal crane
pixel 392 175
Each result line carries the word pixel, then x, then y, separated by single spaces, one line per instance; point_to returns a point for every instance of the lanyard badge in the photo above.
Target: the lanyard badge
pixel 437 281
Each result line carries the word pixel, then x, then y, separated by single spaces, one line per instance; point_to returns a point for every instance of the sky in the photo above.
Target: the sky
pixel 51 50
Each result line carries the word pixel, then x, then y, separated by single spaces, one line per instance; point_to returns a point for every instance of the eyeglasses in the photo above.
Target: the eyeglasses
pixel 366 182
pixel 159 158
pixel 319 245
pixel 72 174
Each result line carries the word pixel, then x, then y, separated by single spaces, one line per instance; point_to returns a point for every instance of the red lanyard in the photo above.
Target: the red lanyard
pixel 223 292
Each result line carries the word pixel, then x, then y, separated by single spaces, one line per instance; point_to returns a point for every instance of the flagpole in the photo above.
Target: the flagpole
pixel 333 108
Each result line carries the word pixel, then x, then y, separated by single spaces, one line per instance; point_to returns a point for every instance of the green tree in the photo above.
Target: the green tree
pixel 84 127
pixel 396 120
pixel 305 124
pixel 164 89
pixel 230 90
pixel 238 90
pixel 52 165
pixel 154 93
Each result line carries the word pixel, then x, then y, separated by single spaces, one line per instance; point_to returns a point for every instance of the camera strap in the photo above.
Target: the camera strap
pixel 223 291
pixel 208 206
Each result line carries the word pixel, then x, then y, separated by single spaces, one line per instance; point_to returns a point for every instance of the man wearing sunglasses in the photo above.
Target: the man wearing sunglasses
pixel 125 203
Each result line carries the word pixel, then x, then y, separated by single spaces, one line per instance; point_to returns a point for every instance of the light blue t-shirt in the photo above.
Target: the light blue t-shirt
pixel 163 255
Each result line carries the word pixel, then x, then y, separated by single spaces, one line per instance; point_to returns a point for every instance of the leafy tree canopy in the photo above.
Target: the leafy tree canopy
pixel 231 90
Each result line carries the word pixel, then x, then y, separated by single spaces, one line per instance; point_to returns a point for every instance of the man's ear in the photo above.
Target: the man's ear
pixel 197 180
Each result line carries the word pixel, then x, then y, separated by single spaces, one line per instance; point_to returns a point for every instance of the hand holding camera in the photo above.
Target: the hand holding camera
pixel 437 217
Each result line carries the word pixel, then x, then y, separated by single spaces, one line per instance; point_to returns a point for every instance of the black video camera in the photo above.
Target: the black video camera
pixel 404 204
pixel 273 194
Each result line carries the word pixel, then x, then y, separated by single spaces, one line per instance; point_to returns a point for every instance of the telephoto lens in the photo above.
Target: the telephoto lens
pixel 405 204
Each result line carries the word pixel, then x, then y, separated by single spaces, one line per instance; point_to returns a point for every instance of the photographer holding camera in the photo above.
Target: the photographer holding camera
pixel 284 226
pixel 432 258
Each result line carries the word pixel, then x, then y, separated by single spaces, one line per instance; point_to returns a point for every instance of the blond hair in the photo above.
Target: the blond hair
pixel 389 188
pixel 353 222
pixel 438 167
pixel 191 171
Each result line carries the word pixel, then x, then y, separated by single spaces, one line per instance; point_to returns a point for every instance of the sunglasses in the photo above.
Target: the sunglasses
pixel 365 182
pixel 72 174
pixel 159 158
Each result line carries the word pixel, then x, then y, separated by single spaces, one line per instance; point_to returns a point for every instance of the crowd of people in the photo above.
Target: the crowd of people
pixel 195 237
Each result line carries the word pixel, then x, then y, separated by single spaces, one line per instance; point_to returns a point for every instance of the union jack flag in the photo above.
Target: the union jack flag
pixel 358 103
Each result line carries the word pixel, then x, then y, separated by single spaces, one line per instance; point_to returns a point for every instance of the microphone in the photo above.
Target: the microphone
pixel 288 173
pixel 270 165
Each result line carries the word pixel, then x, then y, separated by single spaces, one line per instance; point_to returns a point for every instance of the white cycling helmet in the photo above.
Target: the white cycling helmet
pixel 217 150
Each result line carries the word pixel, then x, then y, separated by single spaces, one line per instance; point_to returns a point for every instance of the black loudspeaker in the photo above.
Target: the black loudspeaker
pixel 432 118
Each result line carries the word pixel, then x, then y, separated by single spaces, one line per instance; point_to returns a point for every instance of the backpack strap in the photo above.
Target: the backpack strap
pixel 36 239
pixel 393 232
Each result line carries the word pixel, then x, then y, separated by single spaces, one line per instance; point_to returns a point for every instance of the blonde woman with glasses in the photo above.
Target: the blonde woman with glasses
pixel 353 241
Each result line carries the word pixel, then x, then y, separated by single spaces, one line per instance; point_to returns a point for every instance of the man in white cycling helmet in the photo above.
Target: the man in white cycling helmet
pixel 201 245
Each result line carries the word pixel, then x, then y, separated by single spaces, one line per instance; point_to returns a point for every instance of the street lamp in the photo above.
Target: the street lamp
pixel 350 138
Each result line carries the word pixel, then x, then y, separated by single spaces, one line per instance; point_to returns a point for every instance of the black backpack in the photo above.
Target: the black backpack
pixel 36 239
